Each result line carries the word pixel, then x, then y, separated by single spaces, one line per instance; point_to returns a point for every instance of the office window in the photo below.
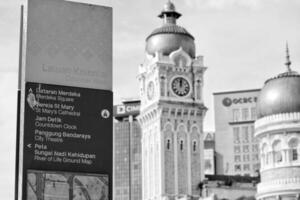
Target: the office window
pixel 245 133
pixel 237 158
pixel 237 149
pixel 253 113
pixel 245 114
pixel 256 166
pixel 236 115
pixel 246 158
pixel 252 133
pixel 236 134
pixel 246 167
pixel 255 147
pixel 237 168
pixel 245 148
pixel 255 157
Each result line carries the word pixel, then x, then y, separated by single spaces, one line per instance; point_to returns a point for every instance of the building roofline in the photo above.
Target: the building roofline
pixel 233 178
pixel 236 91
pixel 130 100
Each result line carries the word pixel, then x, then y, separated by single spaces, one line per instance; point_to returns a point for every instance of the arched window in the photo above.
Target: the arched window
pixel 194 146
pixel 198 87
pixel 168 144
pixel 181 145
pixel 162 85
pixel 277 151
pixel 293 145
pixel 264 154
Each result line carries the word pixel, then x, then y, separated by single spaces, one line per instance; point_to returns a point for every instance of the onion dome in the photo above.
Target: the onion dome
pixel 280 94
pixel 170 37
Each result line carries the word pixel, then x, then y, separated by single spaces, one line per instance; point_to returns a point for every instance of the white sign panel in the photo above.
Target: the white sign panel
pixel 69 44
pixel 209 162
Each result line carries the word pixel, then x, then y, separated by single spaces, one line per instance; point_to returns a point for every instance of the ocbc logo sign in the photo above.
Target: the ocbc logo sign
pixel 228 101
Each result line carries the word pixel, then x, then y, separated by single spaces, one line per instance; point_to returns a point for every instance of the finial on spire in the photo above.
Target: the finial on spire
pixel 288 61
pixel 169 14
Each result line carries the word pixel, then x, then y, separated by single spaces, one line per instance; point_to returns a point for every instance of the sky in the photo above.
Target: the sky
pixel 242 41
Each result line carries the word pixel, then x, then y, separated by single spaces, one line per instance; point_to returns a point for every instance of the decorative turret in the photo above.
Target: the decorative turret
pixel 278 131
pixel 281 93
pixel 288 62
pixel 170 37
pixel 172 112
pixel 169 13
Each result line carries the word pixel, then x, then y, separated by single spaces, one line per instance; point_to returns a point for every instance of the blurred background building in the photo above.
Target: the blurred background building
pixel 209 153
pixel 127 152
pixel 235 145
pixel 230 187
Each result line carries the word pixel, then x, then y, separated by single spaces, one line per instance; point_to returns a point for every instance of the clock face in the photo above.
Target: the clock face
pixel 150 90
pixel 180 86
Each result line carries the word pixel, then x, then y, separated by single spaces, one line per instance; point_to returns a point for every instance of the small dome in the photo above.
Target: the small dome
pixel 169 38
pixel 280 94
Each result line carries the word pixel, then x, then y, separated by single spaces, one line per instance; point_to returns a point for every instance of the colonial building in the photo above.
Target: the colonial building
pixel 278 131
pixel 172 112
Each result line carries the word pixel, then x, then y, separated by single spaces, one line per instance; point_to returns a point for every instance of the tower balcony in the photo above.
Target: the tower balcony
pixel 289 187
pixel 278 122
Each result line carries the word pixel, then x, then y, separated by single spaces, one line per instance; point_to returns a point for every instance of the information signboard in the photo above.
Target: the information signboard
pixel 66 91
pixel 67 129
pixel 69 43
pixel 209 161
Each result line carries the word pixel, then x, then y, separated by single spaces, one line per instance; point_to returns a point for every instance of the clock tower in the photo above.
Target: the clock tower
pixel 172 112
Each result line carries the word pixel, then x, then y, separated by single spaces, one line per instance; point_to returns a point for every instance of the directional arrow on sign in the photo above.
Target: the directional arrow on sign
pixel 29 146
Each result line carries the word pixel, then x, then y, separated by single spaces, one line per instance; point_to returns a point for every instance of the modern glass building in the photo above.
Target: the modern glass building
pixel 127 152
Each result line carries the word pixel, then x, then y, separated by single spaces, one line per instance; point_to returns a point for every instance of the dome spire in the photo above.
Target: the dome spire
pixel 169 14
pixel 288 61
